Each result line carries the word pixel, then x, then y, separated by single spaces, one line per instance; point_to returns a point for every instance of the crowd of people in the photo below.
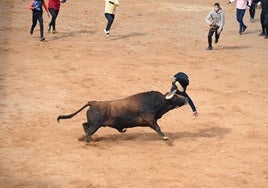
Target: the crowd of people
pixel 216 18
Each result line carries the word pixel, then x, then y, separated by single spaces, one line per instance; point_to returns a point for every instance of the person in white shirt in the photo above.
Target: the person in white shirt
pixel 241 6
pixel 110 7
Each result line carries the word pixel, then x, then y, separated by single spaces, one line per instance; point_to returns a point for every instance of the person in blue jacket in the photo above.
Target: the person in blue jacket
pixel 179 85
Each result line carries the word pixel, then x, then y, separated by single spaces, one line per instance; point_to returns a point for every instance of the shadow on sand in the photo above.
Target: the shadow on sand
pixel 201 133
pixel 234 47
pixel 60 35
pixel 118 37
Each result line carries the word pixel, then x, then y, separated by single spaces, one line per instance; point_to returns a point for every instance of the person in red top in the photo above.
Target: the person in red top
pixel 54 8
pixel 36 7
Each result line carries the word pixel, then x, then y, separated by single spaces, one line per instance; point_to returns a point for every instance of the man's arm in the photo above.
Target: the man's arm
pixel 31 5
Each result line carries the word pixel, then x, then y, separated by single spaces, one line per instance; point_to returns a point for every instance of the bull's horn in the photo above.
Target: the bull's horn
pixel 170 94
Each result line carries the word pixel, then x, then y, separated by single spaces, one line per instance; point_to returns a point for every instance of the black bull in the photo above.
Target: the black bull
pixel 142 109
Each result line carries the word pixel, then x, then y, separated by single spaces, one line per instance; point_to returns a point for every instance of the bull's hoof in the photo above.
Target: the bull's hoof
pixel 165 138
pixel 87 139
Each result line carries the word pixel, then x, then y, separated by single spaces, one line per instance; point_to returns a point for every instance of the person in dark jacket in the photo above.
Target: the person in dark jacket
pixel 179 85
pixel 36 7
pixel 252 11
pixel 264 17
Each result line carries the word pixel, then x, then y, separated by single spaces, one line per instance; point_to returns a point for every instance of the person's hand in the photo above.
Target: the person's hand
pixel 195 114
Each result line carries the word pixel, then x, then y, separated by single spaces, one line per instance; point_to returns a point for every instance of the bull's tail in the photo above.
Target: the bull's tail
pixel 73 114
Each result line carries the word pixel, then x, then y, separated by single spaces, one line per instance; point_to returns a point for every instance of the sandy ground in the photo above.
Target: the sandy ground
pixel 226 146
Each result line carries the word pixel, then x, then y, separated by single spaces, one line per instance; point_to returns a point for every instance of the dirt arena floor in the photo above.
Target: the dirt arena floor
pixel 226 146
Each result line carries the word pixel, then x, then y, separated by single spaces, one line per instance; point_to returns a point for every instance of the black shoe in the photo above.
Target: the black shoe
pixel 240 32
pixel 31 31
pixel 216 41
pixel 42 39
pixel 244 28
pixel 266 37
pixel 209 48
pixel 262 34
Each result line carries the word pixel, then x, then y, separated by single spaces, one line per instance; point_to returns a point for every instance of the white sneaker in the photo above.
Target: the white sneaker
pixel 106 33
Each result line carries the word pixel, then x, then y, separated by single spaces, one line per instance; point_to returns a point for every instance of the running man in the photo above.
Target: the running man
pixel 36 7
pixel 110 7
pixel 216 20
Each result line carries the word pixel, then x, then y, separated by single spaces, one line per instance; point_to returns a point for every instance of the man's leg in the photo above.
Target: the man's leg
pixel 40 19
pixel 110 18
pixel 262 24
pixel 210 34
pixel 266 25
pixel 217 36
pixel 240 14
pixel 34 22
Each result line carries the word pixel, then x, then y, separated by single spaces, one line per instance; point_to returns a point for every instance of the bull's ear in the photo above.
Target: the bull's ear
pixel 170 94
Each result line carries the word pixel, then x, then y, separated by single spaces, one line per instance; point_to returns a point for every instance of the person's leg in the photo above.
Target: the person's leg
pixel 217 36
pixel 253 10
pixel 34 22
pixel 244 27
pixel 238 17
pixel 41 23
pixel 240 14
pixel 210 34
pixel 266 24
pixel 110 18
pixel 51 11
pixel 54 14
pixel 262 24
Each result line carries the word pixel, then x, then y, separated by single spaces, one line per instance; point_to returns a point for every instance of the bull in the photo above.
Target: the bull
pixel 142 109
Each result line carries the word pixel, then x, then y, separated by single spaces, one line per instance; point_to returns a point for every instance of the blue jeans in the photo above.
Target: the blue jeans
pixel 240 15
pixel 110 19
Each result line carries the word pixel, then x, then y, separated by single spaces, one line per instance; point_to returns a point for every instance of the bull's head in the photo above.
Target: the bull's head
pixel 176 99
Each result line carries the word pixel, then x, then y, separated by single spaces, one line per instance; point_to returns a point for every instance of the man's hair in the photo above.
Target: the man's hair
pixel 217 4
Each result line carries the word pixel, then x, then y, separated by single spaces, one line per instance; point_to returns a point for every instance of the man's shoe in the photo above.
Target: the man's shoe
pixel 262 34
pixel 244 28
pixel 31 31
pixel 252 20
pixel 54 32
pixel 216 41
pixel 49 29
pixel 209 48
pixel 106 33
pixel 42 39
pixel 266 37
